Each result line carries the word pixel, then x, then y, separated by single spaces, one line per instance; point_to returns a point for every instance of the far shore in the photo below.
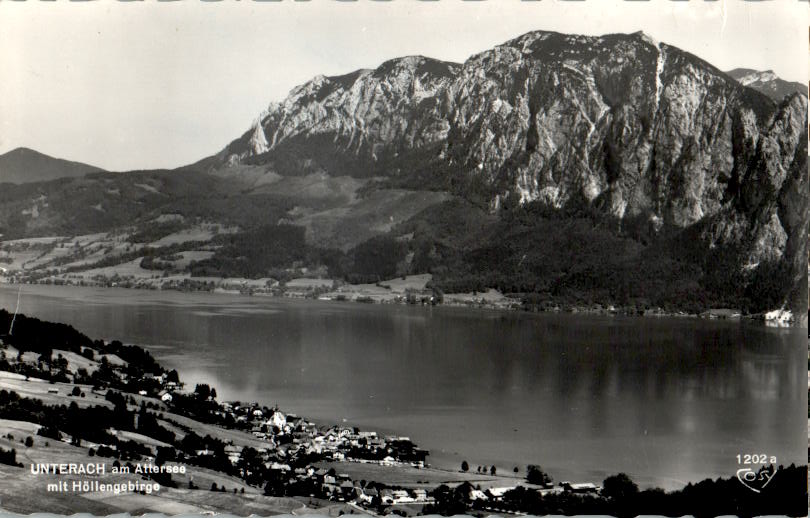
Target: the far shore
pixel 407 290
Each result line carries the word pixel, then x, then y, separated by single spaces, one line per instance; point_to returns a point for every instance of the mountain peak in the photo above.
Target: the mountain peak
pixel 22 151
pixel 646 38
pixel 767 82
pixel 26 165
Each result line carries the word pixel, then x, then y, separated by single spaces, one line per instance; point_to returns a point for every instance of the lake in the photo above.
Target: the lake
pixel 666 400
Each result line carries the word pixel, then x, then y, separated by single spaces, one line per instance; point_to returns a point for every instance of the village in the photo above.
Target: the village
pixel 291 439
pixel 278 453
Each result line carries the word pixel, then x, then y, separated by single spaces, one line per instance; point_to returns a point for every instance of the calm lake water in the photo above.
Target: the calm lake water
pixel 665 400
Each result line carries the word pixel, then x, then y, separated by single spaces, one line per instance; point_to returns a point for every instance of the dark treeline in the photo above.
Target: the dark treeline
pixel 32 334
pixel 786 495
pixel 268 250
pixel 572 256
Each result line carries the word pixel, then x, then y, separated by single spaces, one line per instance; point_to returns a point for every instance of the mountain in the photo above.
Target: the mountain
pixel 23 165
pixel 634 126
pixel 768 83
pixel 637 128
pixel 581 169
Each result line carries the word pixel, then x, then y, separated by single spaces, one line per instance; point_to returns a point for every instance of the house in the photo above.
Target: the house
pixel 53 391
pixel 142 393
pixel 387 496
pixel 477 494
pixel 400 496
pixel 278 420
pixel 580 488
pixel 497 493
pixel 330 489
pixel 347 488
pixel 165 396
pixel 233 453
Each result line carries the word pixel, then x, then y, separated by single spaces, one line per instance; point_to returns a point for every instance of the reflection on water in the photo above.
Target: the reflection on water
pixel 666 400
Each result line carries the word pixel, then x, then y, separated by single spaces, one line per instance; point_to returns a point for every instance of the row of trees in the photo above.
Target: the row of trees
pixel 576 256
pixel 621 497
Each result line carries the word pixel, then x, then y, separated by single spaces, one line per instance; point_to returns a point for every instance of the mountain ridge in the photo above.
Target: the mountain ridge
pixel 642 130
pixel 693 184
pixel 25 165
pixel 767 82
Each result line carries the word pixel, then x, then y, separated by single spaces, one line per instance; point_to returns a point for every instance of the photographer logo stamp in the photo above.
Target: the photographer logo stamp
pixel 756 471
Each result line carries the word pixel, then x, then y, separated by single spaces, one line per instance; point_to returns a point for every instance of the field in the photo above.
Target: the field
pixel 24 491
pixel 407 476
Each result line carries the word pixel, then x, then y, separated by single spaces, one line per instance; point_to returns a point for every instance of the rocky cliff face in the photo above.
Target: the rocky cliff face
pixel 634 127
pixel 767 82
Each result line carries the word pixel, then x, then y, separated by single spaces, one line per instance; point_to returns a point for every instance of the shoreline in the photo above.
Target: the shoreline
pixel 409 476
pixel 780 318
pixel 333 471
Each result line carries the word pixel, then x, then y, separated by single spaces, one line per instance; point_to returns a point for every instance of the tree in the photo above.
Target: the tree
pixel 465 467
pixel 29 441
pixel 213 486
pixel 516 469
pixel 492 470
pixel 202 390
pixel 536 475
pixel 619 487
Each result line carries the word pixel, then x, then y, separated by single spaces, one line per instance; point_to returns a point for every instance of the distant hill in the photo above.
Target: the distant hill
pixel 767 83
pixel 23 165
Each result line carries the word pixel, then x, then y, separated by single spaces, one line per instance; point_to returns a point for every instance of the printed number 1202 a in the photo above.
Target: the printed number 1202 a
pixel 755 458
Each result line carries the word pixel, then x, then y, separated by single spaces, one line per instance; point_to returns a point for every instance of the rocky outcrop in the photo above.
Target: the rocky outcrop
pixel 768 83
pixel 635 127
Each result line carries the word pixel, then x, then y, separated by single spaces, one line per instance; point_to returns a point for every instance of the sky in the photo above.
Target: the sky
pixel 141 85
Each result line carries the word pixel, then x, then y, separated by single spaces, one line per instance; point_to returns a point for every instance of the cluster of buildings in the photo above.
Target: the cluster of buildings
pixel 496 494
pixel 289 436
pixel 340 487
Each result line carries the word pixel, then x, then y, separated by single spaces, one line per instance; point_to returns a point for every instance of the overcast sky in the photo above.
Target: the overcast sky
pixel 144 85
